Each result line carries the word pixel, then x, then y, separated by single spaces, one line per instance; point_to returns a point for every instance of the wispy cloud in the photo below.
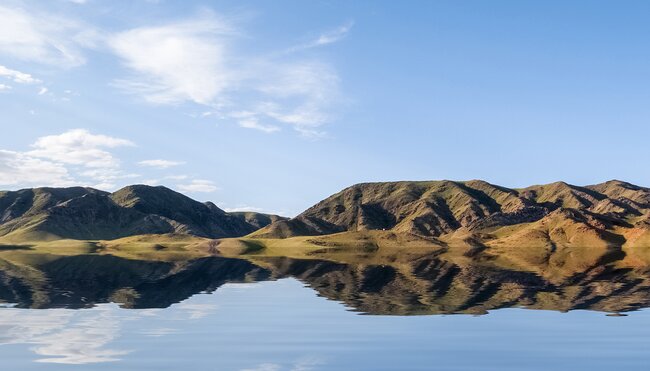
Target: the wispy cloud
pixel 176 177
pixel 198 186
pixel 334 35
pixel 299 94
pixel 325 38
pixel 44 38
pixel 253 123
pixel 177 62
pixel 192 61
pixel 160 164
pixel 250 120
pixel 17 76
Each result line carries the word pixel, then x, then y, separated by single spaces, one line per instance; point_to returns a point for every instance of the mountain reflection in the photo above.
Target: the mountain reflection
pixel 85 280
pixel 426 285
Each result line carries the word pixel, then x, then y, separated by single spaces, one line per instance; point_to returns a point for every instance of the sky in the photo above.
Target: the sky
pixel 272 106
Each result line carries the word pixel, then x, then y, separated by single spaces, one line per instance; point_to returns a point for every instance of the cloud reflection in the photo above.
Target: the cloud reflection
pixel 64 336
pixel 303 364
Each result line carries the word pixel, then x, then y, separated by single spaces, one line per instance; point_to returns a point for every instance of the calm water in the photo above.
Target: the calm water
pixel 283 324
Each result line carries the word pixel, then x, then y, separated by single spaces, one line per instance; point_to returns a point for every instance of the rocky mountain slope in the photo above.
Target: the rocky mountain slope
pixel 86 214
pixel 611 213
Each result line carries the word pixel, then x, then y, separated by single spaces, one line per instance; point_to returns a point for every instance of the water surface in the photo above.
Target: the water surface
pixel 96 313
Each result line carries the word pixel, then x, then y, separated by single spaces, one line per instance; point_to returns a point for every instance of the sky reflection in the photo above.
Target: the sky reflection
pixel 284 326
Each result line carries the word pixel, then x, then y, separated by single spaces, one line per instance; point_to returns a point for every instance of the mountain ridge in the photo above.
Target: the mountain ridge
pixel 604 213
pixel 470 213
pixel 84 213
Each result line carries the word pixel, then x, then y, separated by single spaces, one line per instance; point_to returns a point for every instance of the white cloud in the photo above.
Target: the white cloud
pixel 198 185
pixel 300 95
pixel 20 169
pixel 177 62
pixel 155 182
pixel 79 147
pixel 192 61
pixel 106 178
pixel 334 35
pixel 151 182
pixel 5 87
pixel 42 91
pixel 160 164
pixel 76 157
pixel 104 186
pixel 176 177
pixel 17 76
pixel 189 61
pixel 254 124
pixel 43 38
pixel 325 38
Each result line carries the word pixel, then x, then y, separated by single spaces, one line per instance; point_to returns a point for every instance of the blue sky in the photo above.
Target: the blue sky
pixel 274 105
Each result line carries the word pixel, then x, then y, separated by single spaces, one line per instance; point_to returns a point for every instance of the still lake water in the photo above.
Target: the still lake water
pixel 284 325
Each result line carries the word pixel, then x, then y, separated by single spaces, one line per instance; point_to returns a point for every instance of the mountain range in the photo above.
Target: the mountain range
pixel 89 214
pixel 472 213
pixel 385 248
pixel 478 212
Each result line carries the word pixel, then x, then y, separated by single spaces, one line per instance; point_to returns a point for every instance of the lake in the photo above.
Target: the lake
pixel 227 314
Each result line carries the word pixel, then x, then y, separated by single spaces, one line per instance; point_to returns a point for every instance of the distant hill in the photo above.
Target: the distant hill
pixel 258 220
pixel 87 214
pixel 478 213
